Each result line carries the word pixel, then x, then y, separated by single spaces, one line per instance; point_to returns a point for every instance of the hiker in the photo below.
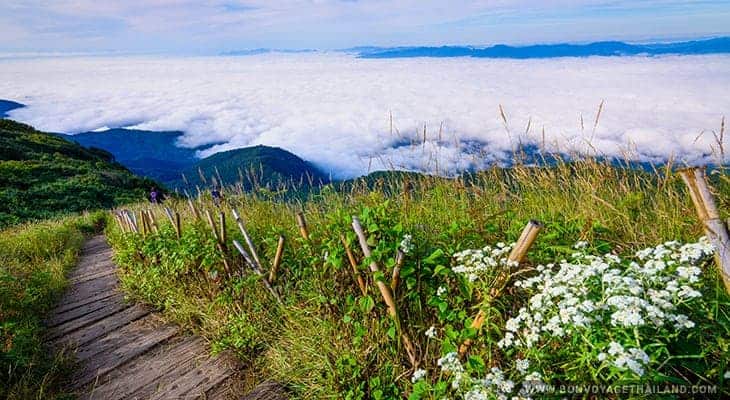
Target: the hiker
pixel 155 196
pixel 216 195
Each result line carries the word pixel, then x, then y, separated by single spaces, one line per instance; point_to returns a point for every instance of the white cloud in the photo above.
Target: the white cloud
pixel 334 109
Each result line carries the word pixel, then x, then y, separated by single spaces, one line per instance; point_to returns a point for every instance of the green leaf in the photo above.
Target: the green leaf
pixel 366 304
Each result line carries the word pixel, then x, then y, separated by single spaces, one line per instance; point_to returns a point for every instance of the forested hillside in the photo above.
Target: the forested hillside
pixel 42 175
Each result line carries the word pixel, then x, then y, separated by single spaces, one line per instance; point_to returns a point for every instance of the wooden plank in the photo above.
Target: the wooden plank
pixel 58 318
pixel 170 378
pixel 103 363
pixel 91 276
pixel 231 388
pixel 148 369
pixel 195 383
pixel 135 331
pixel 87 319
pixel 94 263
pixel 91 285
pixel 89 289
pixel 268 390
pixel 63 307
pixel 102 327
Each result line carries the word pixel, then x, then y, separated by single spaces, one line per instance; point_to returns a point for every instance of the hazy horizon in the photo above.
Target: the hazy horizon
pixel 192 27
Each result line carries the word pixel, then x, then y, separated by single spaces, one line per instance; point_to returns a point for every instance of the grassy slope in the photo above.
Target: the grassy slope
pixel 34 259
pixel 329 341
pixel 42 175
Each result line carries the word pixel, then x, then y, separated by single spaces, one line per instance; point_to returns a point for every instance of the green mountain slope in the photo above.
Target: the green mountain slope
pixel 258 166
pixel 42 175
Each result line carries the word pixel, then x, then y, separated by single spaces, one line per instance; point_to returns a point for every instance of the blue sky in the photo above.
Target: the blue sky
pixel 190 26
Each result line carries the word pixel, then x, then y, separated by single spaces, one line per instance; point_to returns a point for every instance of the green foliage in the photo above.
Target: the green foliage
pixel 252 167
pixel 34 259
pixel 43 175
pixel 328 340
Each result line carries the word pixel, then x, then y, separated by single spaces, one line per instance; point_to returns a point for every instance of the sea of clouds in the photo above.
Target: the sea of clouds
pixel 335 110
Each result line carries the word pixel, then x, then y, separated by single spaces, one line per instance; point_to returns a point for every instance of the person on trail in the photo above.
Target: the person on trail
pixel 155 196
pixel 216 195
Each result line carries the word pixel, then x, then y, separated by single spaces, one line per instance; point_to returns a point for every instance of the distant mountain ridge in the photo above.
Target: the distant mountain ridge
pixel 608 48
pixel 7 106
pixel 154 154
pixel 256 166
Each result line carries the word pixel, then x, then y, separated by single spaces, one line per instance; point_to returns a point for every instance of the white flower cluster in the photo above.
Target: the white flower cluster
pixel 431 332
pixel 600 290
pixel 406 245
pixel 633 358
pixel 607 295
pixel 418 375
pixel 480 262
pixel 495 383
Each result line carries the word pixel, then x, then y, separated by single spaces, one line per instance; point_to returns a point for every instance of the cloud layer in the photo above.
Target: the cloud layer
pixel 335 110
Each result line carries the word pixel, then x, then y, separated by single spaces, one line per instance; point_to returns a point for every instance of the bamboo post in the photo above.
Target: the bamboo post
pixel 714 227
pixel 277 258
pixel 399 258
pixel 143 221
pixel 120 222
pixel 517 255
pixel 169 215
pixel 246 237
pixel 222 221
pixel 302 223
pixel 153 221
pixel 385 292
pixel 353 264
pixel 193 209
pixel 178 230
pixel 255 269
pixel 527 238
pixel 132 222
pixel 221 246
pixel 211 223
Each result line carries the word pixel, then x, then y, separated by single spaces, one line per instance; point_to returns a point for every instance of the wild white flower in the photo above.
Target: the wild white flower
pixel 431 332
pixel 477 393
pixel 727 375
pixel 475 263
pixel 522 365
pixel 441 291
pixel 450 363
pixel 406 245
pixel 603 295
pixel 580 245
pixel 418 375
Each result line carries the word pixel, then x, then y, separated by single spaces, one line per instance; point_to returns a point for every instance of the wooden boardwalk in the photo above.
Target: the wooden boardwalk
pixel 125 351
